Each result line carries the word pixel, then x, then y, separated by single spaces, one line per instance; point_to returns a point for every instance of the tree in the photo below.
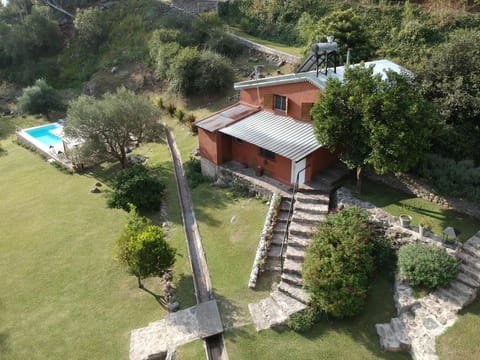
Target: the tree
pixel 451 78
pixel 143 249
pixel 91 26
pixel 339 263
pixel 110 124
pixel 381 122
pixel 137 186
pixel 39 99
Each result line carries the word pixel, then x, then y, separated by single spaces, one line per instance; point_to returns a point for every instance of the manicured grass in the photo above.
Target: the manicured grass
pixel 397 203
pixel 293 50
pixel 460 342
pixel 63 295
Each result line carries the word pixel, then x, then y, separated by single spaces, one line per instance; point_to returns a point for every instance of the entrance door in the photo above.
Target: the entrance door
pixel 299 168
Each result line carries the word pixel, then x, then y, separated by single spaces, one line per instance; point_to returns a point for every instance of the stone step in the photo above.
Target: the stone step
pixel 474 273
pixel 273 264
pixel 288 304
pixel 474 241
pixel 295 292
pixel 282 216
pixel 274 251
pixel 312 198
pixel 472 251
pixel 388 340
pixel 319 209
pixel 266 314
pixel 399 331
pixel 293 279
pixel 469 260
pixel 307 218
pixel 468 280
pixel 450 297
pixel 298 242
pixel 292 266
pixel 301 229
pixel 277 239
pixel 295 253
pixel 464 290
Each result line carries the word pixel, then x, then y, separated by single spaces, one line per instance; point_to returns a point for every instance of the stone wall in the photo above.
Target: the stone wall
pixel 414 186
pixel 231 178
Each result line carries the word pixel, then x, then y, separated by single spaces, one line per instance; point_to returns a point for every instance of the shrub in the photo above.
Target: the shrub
pixel 304 320
pixel 193 172
pixel 190 119
pixel 135 185
pixel 159 102
pixel 339 263
pixel 452 178
pixel 427 265
pixel 171 108
pixel 385 256
pixel 179 114
pixel 39 99
pixel 91 26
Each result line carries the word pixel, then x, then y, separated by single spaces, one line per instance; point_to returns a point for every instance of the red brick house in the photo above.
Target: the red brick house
pixel 271 128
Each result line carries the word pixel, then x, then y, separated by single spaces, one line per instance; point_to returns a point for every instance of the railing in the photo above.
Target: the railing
pixel 289 218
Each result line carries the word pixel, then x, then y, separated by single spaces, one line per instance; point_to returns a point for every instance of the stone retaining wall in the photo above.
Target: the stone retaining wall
pixel 414 186
pixel 232 179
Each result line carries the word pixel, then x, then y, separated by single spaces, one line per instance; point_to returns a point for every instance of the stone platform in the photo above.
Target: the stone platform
pixel 163 336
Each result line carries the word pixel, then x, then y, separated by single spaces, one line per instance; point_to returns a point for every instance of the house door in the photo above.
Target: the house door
pixel 299 168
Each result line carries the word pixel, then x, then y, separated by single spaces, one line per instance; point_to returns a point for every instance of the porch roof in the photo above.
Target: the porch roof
pixel 225 117
pixel 279 134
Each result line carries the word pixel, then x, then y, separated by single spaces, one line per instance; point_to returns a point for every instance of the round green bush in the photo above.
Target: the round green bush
pixel 427 265
pixel 339 263
pixel 304 320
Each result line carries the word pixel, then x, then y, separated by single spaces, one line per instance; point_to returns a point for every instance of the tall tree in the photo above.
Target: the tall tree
pixel 373 121
pixel 39 98
pixel 109 125
pixel 143 249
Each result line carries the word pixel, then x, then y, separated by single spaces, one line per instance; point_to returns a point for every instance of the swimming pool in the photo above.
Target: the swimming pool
pixel 45 134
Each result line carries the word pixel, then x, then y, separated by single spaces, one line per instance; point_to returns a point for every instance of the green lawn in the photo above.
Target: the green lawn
pixel 397 203
pixel 63 295
pixel 460 342
pixel 293 50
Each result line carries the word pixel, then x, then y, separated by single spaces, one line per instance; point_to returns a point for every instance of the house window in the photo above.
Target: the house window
pixel 238 141
pixel 280 103
pixel 267 154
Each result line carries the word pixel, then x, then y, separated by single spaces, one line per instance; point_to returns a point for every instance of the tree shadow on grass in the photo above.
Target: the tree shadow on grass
pixel 161 299
pixel 232 315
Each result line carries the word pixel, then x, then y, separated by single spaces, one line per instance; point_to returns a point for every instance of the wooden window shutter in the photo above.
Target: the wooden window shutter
pixel 306 107
pixel 268 101
pixel 286 105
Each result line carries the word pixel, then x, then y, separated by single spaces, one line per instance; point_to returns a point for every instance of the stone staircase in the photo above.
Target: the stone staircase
pixel 417 325
pixel 310 208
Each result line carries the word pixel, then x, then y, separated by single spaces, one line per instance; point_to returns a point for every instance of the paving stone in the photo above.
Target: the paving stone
pixel 311 208
pixel 266 314
pixel 307 218
pixel 467 280
pixel 388 340
pixel 470 271
pixel 301 229
pixel 298 241
pixel 288 304
pixel 469 260
pixel 472 251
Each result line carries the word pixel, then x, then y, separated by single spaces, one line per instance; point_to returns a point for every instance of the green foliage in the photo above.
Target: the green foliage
pixel 171 108
pixel 451 79
pixel 162 56
pixel 138 186
pixel 427 265
pixel 180 114
pixel 39 99
pixel 339 263
pixel 449 177
pixel 143 249
pixel 304 320
pixel 385 256
pixel 91 26
pixel 193 173
pixel 190 120
pixel 381 122
pixel 109 124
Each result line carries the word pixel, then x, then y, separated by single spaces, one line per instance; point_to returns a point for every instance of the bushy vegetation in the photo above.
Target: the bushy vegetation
pixel 143 248
pixel 449 177
pixel 193 172
pixel 427 265
pixel 303 321
pixel 39 98
pixel 91 27
pixel 339 263
pixel 136 185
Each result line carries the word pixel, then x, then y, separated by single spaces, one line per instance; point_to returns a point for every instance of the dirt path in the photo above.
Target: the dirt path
pixel 215 348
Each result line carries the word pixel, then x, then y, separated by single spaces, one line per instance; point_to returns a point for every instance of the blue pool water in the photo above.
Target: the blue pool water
pixel 44 135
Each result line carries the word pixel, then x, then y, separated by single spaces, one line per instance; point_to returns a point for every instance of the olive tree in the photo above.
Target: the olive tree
pixel 108 125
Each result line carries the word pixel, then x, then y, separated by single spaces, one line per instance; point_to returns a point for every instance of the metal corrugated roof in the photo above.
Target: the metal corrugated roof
pixel 282 135
pixel 225 117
